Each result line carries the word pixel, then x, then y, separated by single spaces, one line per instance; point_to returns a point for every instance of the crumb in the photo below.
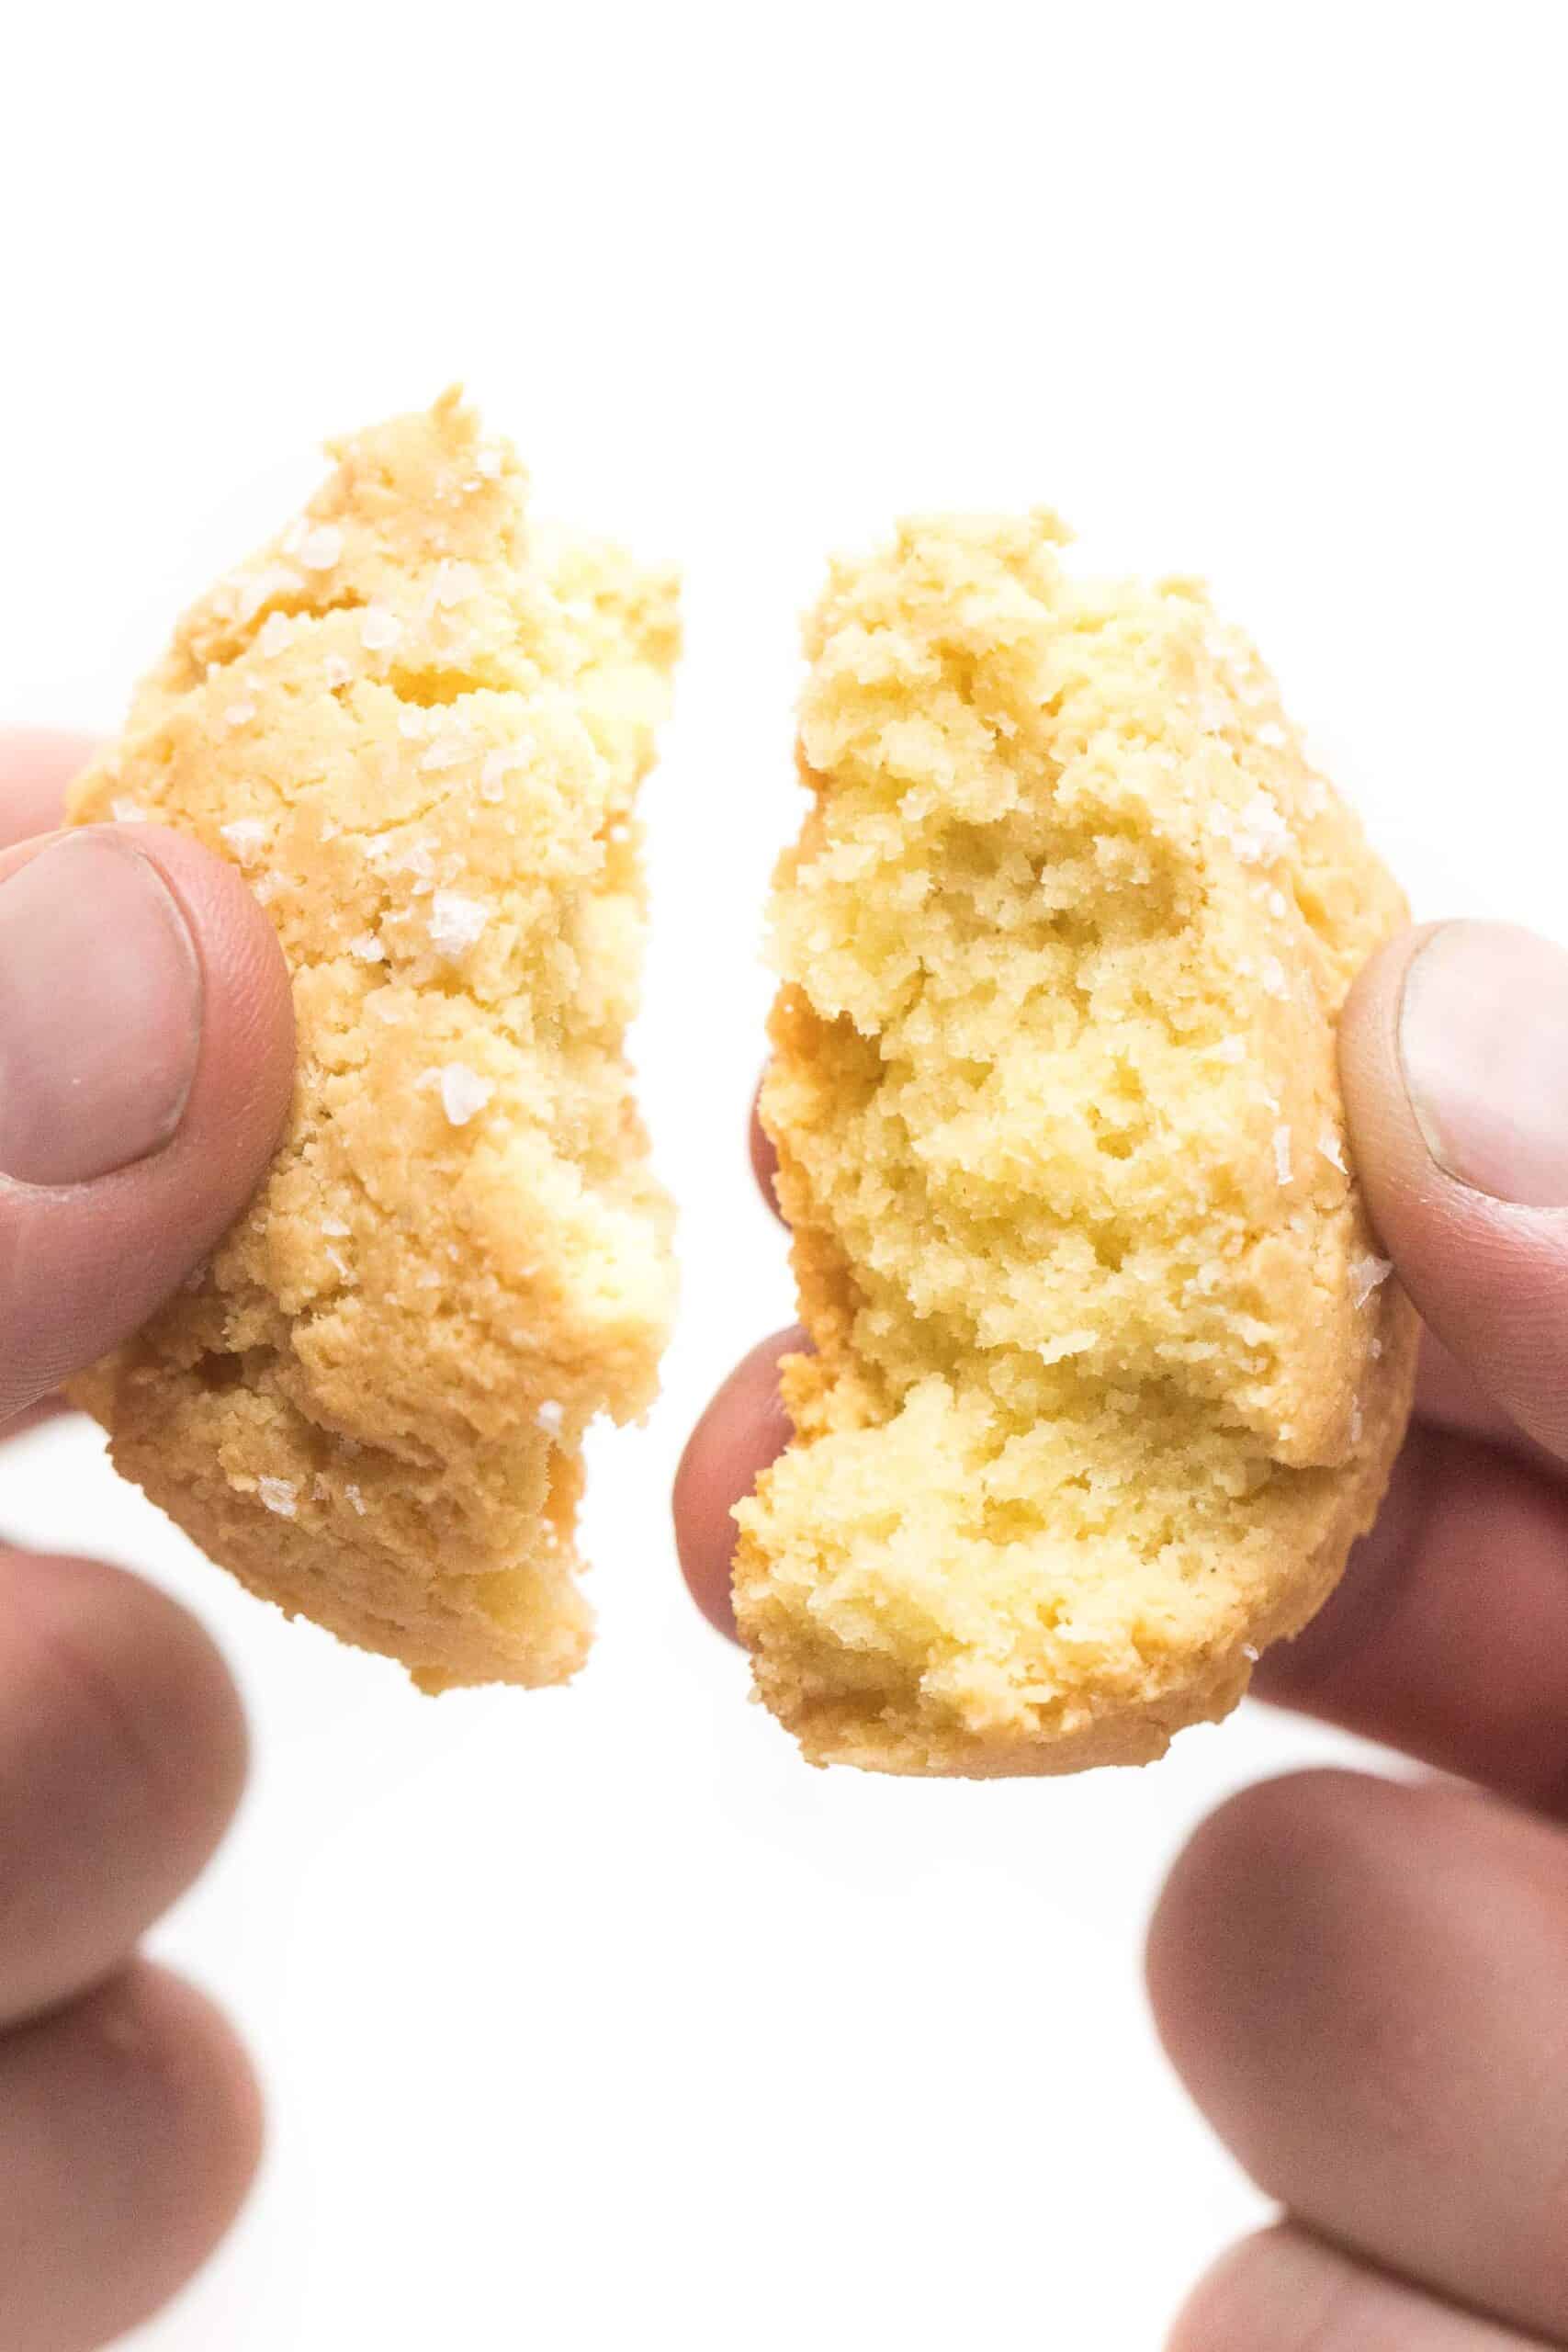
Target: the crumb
pixel 1071 1444
pixel 490 1254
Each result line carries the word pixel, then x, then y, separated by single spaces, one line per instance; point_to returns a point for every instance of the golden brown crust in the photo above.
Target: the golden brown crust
pixel 1107 1375
pixel 419 728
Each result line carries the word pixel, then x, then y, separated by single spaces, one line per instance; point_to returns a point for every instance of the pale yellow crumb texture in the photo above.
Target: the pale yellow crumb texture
pixel 1107 1372
pixel 418 728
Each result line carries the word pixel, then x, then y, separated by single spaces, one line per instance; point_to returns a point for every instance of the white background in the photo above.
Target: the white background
pixel 594 2016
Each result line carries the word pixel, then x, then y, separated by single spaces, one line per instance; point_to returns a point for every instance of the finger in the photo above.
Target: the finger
pixel 31 1418
pixel 36 764
pixel 1449 1396
pixel 1362 1985
pixel 1454 1049
pixel 1448 1636
pixel 145 1065
pixel 1285 2291
pixel 764 1159
pixel 130 2130
pixel 122 1755
pixel 743 1430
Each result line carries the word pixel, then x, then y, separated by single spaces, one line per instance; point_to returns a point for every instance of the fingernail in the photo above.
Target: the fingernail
pixel 1484 1042
pixel 100 1012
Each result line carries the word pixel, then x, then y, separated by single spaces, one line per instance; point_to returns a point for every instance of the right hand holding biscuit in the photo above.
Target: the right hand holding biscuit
pixel 1362 1981
pixel 145 1060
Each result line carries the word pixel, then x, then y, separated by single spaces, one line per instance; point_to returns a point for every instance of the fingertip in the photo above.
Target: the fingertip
pixel 1453 1047
pixel 163 1681
pixel 123 1755
pixel 764 1158
pixel 1240 1868
pixel 147 2081
pixel 37 765
pixel 743 1430
pixel 89 1259
pixel 212 2094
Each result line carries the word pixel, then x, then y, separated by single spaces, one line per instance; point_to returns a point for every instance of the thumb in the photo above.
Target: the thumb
pixel 146 1046
pixel 1454 1053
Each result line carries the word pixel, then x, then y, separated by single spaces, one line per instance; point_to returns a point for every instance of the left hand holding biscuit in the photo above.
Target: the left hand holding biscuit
pixel 1360 1981
pixel 145 1064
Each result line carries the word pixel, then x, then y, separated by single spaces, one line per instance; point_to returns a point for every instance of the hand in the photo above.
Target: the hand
pixel 145 1058
pixel 1363 1982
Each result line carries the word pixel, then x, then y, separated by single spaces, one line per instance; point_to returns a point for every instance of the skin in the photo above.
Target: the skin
pixel 1362 1982
pixel 129 2121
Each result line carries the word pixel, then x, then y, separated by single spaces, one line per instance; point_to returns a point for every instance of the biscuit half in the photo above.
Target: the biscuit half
pixel 1107 1373
pixel 419 727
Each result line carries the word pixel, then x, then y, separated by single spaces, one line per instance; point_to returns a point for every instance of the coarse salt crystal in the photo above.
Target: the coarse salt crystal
pixel 1271 972
pixel 1365 1274
pixel 550 1416
pixel 1250 1652
pixel 379 629
pixel 252 589
pixel 266 888
pixel 1282 1154
pixel 368 948
pixel 355 1500
pixel 127 812
pixel 338 1263
pixel 1067 1343
pixel 244 837
pixel 276 631
pixel 446 752
pixel 464 1092
pixel 456 922
pixel 390 855
pixel 238 713
pixel 453 582
pixel 278 1494
pixel 1329 1145
pixel 320 548
pixel 1257 833
pixel 498 765
pixel 334 1227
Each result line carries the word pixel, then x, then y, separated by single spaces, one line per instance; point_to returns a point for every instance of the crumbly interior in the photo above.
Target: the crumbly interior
pixel 1107 1373
pixel 419 728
